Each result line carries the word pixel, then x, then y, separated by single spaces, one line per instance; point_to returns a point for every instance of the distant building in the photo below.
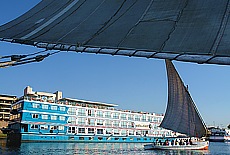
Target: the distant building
pixel 43 96
pixel 5 106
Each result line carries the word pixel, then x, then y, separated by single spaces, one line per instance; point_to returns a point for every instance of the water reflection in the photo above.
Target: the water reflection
pixel 101 148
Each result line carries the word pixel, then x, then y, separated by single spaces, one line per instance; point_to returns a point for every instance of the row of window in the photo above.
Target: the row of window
pixel 89 121
pixel 110 131
pixel 46 116
pixel 111 138
pixel 15 117
pixel 46 106
pixel 17 106
pixel 46 127
pixel 114 115
pixel 98 113
pixel 100 122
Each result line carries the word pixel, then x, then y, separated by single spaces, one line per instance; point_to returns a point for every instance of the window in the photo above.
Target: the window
pixel 81 112
pixel 108 123
pixel 44 116
pixel 91 112
pixel 155 119
pixel 131 125
pixel 62 108
pixel 116 123
pixel 155 126
pixel 160 119
pixel 91 121
pixel 91 130
pixel 72 129
pixel 62 118
pixel 143 118
pixel 130 117
pixel 53 117
pixel 61 127
pixel 107 114
pixel 138 132
pixel 116 115
pixel 33 126
pixel 81 121
pixel 123 116
pixel 146 132
pixel 99 113
pixel 34 115
pixel 72 120
pixel 108 131
pixel 123 124
pixel 131 132
pixel 44 127
pixel 72 111
pixel 99 131
pixel 99 122
pixel 123 132
pixel 81 130
pixel 149 118
pixel 116 132
pixel 136 117
pixel 35 105
pixel 45 106
pixel 52 127
pixel 53 107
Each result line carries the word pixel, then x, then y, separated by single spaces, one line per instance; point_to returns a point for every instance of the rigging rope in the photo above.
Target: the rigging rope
pixel 21 59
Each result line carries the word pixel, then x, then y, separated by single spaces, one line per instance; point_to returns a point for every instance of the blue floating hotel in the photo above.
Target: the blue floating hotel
pixel 42 116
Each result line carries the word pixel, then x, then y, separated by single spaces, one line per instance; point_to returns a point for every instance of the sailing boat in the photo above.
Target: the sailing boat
pixel 181 116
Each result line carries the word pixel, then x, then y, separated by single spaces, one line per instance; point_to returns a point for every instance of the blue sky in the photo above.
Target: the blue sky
pixel 132 83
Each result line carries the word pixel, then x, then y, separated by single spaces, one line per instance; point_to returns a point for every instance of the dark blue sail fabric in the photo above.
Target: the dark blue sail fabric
pixel 184 30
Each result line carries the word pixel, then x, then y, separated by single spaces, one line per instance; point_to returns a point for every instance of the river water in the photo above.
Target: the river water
pixel 215 148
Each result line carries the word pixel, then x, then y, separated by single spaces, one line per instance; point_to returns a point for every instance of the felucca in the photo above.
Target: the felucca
pixel 181 116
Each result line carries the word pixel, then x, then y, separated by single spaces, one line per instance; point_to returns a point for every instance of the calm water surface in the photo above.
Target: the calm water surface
pixel 101 148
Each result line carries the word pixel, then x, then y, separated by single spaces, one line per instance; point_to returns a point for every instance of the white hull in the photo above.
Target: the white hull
pixel 198 146
pixel 227 138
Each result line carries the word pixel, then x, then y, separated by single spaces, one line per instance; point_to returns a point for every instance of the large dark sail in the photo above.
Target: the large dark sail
pixel 181 115
pixel 183 30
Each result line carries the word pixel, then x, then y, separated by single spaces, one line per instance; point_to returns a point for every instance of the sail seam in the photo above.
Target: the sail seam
pixel 106 24
pixel 50 21
pixel 174 26
pixel 136 24
pixel 221 30
pixel 27 18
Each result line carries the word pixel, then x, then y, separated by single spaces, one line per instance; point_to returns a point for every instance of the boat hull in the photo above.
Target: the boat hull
pixel 216 139
pixel 198 146
pixel 78 138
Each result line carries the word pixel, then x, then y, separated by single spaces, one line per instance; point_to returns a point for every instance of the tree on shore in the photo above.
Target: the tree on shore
pixel 229 126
